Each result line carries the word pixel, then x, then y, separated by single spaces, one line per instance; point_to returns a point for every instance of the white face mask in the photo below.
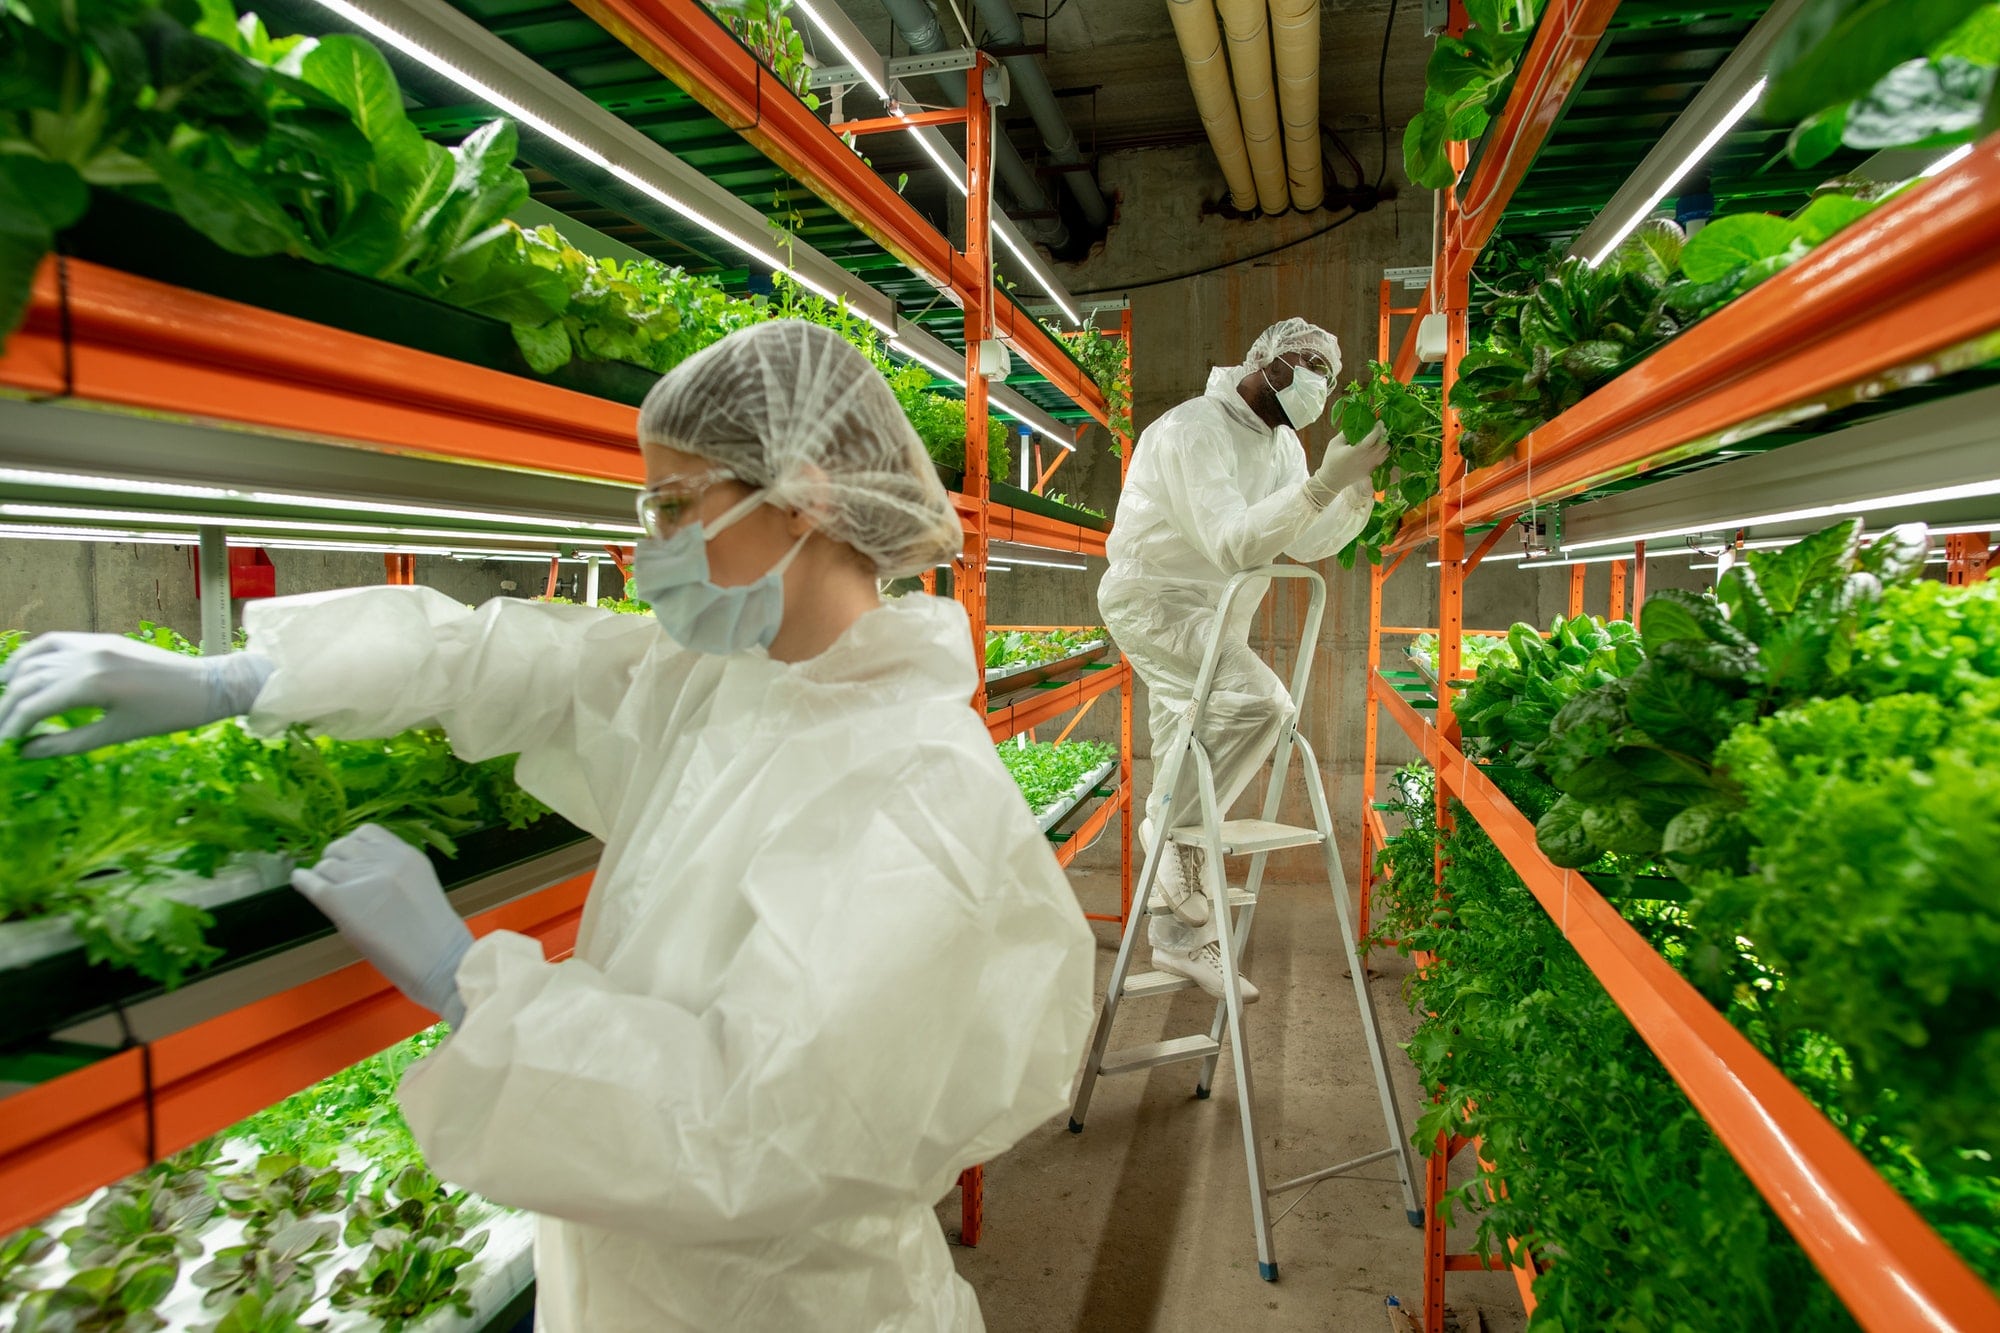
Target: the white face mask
pixel 1304 398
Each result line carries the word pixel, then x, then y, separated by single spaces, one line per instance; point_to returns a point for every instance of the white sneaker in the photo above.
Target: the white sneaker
pixel 1188 898
pixel 1178 887
pixel 1203 967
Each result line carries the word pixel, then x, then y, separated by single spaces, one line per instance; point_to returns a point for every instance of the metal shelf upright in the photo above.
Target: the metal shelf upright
pixel 1909 293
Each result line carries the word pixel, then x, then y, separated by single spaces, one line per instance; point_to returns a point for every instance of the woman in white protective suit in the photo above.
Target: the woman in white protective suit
pixel 1219 485
pixel 828 960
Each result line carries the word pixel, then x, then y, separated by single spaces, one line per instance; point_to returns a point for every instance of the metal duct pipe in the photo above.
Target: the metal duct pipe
pixel 1295 42
pixel 1208 75
pixel 1031 85
pixel 913 18
pixel 1247 23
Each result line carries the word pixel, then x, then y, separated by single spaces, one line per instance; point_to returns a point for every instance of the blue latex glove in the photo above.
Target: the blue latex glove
pixel 384 897
pixel 143 690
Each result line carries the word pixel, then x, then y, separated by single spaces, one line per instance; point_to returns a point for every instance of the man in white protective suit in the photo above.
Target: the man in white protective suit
pixel 828 960
pixel 1217 486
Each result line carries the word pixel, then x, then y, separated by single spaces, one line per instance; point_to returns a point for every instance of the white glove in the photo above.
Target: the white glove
pixel 385 899
pixel 1342 466
pixel 143 690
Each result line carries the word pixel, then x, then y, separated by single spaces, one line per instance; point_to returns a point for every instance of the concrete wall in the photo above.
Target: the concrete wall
pixel 109 587
pixel 1210 288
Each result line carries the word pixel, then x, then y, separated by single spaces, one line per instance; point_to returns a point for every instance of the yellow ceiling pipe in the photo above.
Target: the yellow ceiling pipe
pixel 1208 75
pixel 1295 40
pixel 1248 24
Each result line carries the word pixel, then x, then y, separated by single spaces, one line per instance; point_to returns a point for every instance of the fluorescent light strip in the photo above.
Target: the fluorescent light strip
pixel 493 96
pixel 956 177
pixel 1951 159
pixel 184 491
pixel 1049 285
pixel 1971 490
pixel 1043 564
pixel 1547 563
pixel 87 515
pixel 1674 177
pixel 826 30
pixel 899 346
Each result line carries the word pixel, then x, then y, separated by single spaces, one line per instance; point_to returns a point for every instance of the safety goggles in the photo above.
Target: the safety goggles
pixel 668 503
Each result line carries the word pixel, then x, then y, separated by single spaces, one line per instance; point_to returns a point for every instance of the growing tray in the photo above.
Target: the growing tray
pixel 499 1292
pixel 124 234
pixel 50 986
pixel 1007 680
pixel 1070 801
pixel 1016 498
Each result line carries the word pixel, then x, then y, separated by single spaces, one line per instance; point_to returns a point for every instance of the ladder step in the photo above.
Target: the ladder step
pixel 1197 1047
pixel 1141 984
pixel 1237 898
pixel 1243 837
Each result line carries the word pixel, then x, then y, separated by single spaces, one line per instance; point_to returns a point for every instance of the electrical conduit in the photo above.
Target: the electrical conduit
pixel 913 18
pixel 1031 86
pixel 1247 22
pixel 1208 75
pixel 1295 42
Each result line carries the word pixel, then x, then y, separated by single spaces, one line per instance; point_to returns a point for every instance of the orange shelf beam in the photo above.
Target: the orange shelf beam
pixel 154 347
pixel 684 42
pixel 67 1137
pixel 1556 57
pixel 1039 707
pixel 1005 524
pixel 1909 291
pixel 1890 1269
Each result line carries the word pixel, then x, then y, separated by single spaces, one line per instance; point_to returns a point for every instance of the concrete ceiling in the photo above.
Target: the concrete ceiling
pixel 1118 71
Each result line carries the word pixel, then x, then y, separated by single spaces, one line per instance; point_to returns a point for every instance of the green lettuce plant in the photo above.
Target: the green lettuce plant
pixel 1878 74
pixel 1465 78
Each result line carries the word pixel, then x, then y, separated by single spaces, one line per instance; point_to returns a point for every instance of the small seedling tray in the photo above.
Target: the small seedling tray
pixel 1007 680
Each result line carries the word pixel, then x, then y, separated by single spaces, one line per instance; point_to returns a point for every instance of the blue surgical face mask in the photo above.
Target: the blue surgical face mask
pixel 672 574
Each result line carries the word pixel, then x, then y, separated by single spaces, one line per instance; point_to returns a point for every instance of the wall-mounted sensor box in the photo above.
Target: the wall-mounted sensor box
pixel 1433 333
pixel 995 361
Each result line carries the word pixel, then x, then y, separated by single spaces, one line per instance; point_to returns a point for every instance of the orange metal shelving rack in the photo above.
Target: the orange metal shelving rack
pixel 97 336
pixel 1910 292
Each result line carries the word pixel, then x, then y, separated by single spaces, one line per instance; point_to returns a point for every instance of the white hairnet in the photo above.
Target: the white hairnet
pixel 1293 335
pixel 793 409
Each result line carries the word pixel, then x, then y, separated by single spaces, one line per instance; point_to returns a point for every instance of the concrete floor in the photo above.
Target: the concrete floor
pixel 1143 1221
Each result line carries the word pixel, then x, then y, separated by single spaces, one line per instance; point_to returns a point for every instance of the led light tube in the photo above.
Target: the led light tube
pixel 1968 491
pixel 88 515
pixel 1687 164
pixel 957 178
pixel 899 346
pixel 189 491
pixel 828 31
pixel 500 100
pixel 1955 156
pixel 1043 564
pixel 1049 284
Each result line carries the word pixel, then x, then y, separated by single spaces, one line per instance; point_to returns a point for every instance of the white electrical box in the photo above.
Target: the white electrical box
pixel 1432 335
pixel 995 361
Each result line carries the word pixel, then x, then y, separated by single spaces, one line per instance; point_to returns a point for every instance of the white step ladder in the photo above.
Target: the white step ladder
pixel 1256 839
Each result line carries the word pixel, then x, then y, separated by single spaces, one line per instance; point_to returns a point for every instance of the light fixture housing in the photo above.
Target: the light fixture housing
pixel 1726 98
